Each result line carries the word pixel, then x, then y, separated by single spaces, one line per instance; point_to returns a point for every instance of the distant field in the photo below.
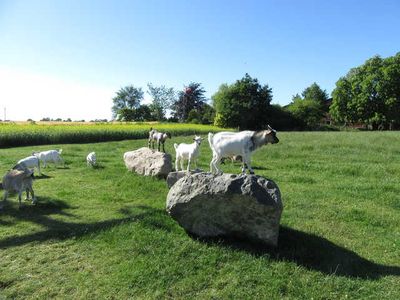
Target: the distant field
pixel 104 234
pixel 42 133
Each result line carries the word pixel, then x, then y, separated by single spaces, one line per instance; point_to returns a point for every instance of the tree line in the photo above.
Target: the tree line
pixel 369 95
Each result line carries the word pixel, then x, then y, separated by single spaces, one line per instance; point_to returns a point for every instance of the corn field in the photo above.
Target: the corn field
pixel 22 134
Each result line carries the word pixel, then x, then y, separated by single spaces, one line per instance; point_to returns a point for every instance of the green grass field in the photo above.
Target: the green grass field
pixel 104 234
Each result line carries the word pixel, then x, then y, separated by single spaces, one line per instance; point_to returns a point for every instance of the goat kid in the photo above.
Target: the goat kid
pixel 243 143
pixel 18 181
pixel 189 152
pixel 91 159
pixel 159 137
pixel 28 162
pixel 53 156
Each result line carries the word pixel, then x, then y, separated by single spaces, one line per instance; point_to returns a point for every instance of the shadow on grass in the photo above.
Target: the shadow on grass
pixel 98 167
pixel 304 249
pixel 60 230
pixel 314 253
pixel 42 176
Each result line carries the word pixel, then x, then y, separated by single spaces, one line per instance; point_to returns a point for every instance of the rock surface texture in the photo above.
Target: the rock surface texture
pixel 243 206
pixel 173 177
pixel 148 162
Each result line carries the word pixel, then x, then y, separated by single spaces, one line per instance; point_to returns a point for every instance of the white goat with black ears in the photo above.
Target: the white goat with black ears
pixel 227 144
pixel 189 152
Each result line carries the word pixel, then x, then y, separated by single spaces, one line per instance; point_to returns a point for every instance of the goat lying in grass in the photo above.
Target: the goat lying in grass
pixel 53 156
pixel 159 137
pixel 18 181
pixel 228 144
pixel 189 152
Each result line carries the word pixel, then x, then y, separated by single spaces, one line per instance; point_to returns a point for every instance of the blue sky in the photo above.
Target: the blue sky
pixel 68 58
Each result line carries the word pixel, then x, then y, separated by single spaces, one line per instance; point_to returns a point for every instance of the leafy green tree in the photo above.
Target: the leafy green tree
pixel 310 106
pixel 207 113
pixel 143 113
pixel 204 115
pixel 307 110
pixel 192 97
pixel 369 94
pixel 163 98
pixel 128 97
pixel 283 119
pixel 314 92
pixel 126 114
pixel 140 114
pixel 194 117
pixel 244 104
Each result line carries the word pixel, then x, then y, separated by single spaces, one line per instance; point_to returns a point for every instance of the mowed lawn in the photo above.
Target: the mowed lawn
pixel 104 234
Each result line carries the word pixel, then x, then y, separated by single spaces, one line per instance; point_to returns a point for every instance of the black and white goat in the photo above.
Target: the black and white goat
pixel 159 137
pixel 228 144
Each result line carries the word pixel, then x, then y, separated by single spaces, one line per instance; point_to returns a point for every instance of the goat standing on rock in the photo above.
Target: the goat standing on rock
pixel 189 152
pixel 228 144
pixel 159 137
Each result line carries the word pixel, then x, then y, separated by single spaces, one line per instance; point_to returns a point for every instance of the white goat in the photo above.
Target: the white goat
pixel 159 137
pixel 29 162
pixel 91 159
pixel 188 152
pixel 227 144
pixel 53 156
pixel 18 181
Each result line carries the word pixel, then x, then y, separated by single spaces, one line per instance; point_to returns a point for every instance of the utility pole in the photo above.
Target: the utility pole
pixel 5 113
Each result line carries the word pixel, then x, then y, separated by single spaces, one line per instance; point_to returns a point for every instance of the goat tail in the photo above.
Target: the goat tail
pixel 175 146
pixel 59 151
pixel 210 140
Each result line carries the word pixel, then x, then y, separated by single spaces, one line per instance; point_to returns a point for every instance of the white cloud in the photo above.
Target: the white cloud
pixel 27 95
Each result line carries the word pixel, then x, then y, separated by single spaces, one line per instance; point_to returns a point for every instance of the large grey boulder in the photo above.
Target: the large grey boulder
pixel 244 206
pixel 173 177
pixel 148 162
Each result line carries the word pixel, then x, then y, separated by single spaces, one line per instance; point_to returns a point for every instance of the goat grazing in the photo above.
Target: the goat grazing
pixel 189 152
pixel 159 137
pixel 91 159
pixel 53 156
pixel 228 144
pixel 29 162
pixel 18 181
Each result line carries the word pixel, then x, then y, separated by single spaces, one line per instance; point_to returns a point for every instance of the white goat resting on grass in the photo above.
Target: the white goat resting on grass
pixel 91 159
pixel 29 162
pixel 159 137
pixel 189 152
pixel 18 181
pixel 227 144
pixel 53 156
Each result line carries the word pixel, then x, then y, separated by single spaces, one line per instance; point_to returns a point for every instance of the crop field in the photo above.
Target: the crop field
pixel 44 133
pixel 103 233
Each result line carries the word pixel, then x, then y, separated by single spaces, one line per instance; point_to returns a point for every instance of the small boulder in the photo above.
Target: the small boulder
pixel 148 162
pixel 244 206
